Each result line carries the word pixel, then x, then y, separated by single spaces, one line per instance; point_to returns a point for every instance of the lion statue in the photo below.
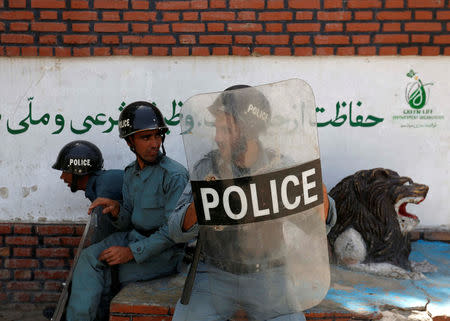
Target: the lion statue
pixel 371 232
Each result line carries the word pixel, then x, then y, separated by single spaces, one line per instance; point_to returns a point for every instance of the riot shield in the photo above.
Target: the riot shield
pixel 254 163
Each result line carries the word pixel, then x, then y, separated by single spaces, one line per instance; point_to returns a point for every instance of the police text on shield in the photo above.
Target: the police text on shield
pixel 259 198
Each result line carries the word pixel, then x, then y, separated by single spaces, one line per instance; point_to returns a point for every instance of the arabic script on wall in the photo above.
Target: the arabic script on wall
pixel 344 113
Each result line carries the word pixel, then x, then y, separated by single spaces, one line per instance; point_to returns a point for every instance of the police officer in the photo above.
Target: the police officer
pixel 152 185
pixel 239 153
pixel 81 163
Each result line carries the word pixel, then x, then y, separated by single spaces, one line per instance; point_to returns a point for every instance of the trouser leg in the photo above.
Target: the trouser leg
pixel 198 309
pixel 87 286
pixel 201 305
pixel 90 280
pixel 105 298
pixel 219 295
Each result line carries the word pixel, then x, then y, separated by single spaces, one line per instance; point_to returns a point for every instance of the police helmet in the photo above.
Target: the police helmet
pixel 140 116
pixel 79 157
pixel 249 107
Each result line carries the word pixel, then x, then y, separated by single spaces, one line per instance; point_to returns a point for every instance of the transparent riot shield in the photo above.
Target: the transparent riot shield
pixel 254 163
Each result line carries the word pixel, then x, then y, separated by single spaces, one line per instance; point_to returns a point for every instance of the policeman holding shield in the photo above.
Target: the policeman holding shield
pixel 152 185
pixel 256 209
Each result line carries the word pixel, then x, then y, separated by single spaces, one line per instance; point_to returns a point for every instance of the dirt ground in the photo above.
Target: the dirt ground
pixel 22 312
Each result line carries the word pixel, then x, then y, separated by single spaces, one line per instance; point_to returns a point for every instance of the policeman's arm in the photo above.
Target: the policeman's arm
pixel 160 240
pixel 177 218
pixel 123 221
pixel 190 218
pixel 326 203
pixel 109 206
pixel 330 213
pixel 110 184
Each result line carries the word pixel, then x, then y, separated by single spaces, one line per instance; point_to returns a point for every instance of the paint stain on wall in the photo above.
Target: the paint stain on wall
pixel 27 190
pixel 4 192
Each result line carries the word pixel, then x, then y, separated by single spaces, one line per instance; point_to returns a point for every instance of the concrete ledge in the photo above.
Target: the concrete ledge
pixel 352 295
pixel 155 301
pixel 147 301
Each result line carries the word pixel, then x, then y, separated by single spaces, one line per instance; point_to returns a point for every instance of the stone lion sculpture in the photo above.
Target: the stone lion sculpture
pixel 371 232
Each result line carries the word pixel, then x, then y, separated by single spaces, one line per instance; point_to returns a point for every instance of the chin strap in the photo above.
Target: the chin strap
pixel 74 184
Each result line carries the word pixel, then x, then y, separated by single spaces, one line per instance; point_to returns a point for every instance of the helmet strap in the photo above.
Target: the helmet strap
pixel 74 184
pixel 163 136
pixel 130 144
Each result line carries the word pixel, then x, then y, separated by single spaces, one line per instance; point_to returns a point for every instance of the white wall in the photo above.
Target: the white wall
pixel 75 88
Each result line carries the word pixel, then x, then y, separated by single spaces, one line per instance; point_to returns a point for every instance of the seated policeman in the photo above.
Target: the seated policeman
pixel 151 187
pixel 81 163
pixel 240 153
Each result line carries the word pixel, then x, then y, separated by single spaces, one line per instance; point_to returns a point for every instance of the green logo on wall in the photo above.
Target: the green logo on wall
pixel 415 94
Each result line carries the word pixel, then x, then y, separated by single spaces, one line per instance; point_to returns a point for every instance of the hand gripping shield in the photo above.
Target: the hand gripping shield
pixel 254 163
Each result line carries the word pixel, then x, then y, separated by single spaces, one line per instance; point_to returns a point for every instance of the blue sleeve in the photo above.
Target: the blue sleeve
pixel 176 219
pixel 160 240
pixel 109 184
pixel 123 221
pixel 332 214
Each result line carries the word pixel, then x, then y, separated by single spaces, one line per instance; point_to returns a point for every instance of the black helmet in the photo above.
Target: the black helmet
pixel 79 157
pixel 139 116
pixel 249 107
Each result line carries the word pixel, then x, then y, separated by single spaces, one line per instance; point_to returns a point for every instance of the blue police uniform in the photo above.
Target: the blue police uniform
pixel 104 183
pixel 149 196
pixel 205 303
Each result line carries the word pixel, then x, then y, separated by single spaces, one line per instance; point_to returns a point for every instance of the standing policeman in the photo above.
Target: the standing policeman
pixel 152 185
pixel 255 211
pixel 81 163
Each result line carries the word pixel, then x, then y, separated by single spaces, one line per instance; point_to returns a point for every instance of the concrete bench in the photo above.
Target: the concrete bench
pixel 155 301
pixel 352 295
pixel 151 300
